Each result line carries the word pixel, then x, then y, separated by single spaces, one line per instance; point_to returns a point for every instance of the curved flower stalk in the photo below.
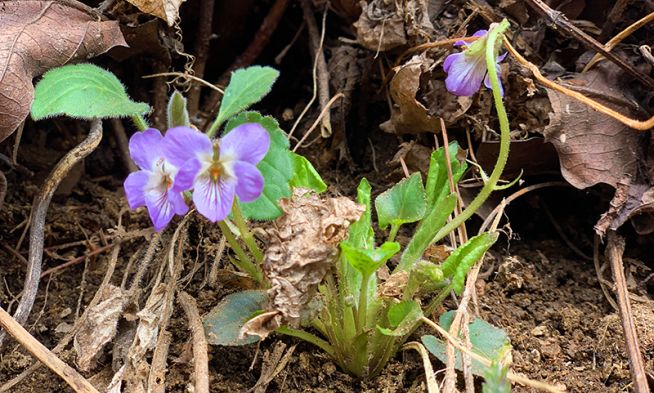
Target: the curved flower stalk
pixel 466 70
pixel 218 170
pixel 152 185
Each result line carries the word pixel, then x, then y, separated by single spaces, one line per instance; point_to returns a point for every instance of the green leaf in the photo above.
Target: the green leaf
pixel 427 229
pixel 275 167
pixel 83 91
pixel 437 185
pixel 305 175
pixel 368 260
pixel 223 324
pixel 461 260
pixel 487 341
pixel 361 234
pixel 177 114
pixel 403 203
pixel 402 317
pixel 246 87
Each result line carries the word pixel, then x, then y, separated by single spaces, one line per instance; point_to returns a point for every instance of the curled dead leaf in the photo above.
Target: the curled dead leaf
pixel 303 247
pixel 167 10
pixel 100 326
pixel 38 35
pixel 380 26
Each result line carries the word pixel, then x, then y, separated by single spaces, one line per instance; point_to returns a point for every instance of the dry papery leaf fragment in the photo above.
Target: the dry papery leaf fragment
pixel 100 326
pixel 167 10
pixel 38 35
pixel 303 246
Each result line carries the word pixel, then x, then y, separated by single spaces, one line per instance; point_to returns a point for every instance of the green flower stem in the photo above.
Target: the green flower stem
pixel 246 234
pixel 308 337
pixel 362 309
pixel 505 137
pixel 213 129
pixel 140 122
pixel 243 262
pixel 394 229
pixel 438 300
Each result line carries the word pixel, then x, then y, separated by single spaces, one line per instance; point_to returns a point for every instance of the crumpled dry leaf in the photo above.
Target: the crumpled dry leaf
pixel 408 114
pixel 37 35
pixel 303 246
pixel 100 326
pixel 167 10
pixel 385 25
pixel 631 201
pixel 593 148
pixel 393 286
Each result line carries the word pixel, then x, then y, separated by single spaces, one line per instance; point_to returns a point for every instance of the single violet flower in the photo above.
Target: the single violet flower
pixel 151 186
pixel 217 170
pixel 466 70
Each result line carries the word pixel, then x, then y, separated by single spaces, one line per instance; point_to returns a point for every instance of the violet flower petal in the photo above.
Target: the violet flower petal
pixel 465 74
pixel 186 175
pixel 144 148
pixel 135 188
pixel 248 142
pixel 184 143
pixel 160 208
pixel 249 181
pixel 213 199
pixel 487 81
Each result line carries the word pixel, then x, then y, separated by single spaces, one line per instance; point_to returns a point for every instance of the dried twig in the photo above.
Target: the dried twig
pixel 613 42
pixel 37 223
pixel 201 47
pixel 200 357
pixel 644 125
pixel 67 373
pixel 614 251
pixel 562 23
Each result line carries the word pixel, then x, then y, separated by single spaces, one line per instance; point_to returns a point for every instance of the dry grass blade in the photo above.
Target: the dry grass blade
pixel 432 385
pixel 200 351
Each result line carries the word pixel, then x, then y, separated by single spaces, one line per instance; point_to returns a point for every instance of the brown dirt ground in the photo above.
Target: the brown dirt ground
pixel 548 300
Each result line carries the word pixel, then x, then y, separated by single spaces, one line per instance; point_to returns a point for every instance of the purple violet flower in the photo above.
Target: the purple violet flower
pixel 466 70
pixel 217 170
pixel 151 186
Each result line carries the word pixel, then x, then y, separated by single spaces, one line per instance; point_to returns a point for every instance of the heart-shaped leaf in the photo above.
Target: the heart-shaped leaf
pixel 487 340
pixel 403 203
pixel 224 322
pixel 246 87
pixel 83 91
pixel 38 35
pixel 275 167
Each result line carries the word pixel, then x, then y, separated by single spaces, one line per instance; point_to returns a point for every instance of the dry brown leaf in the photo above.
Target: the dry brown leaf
pixel 593 148
pixel 303 246
pixel 631 201
pixel 37 35
pixel 100 326
pixel 167 10
pixel 380 27
pixel 408 115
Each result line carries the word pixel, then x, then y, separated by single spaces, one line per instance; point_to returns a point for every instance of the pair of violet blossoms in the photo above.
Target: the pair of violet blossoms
pixel 186 159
